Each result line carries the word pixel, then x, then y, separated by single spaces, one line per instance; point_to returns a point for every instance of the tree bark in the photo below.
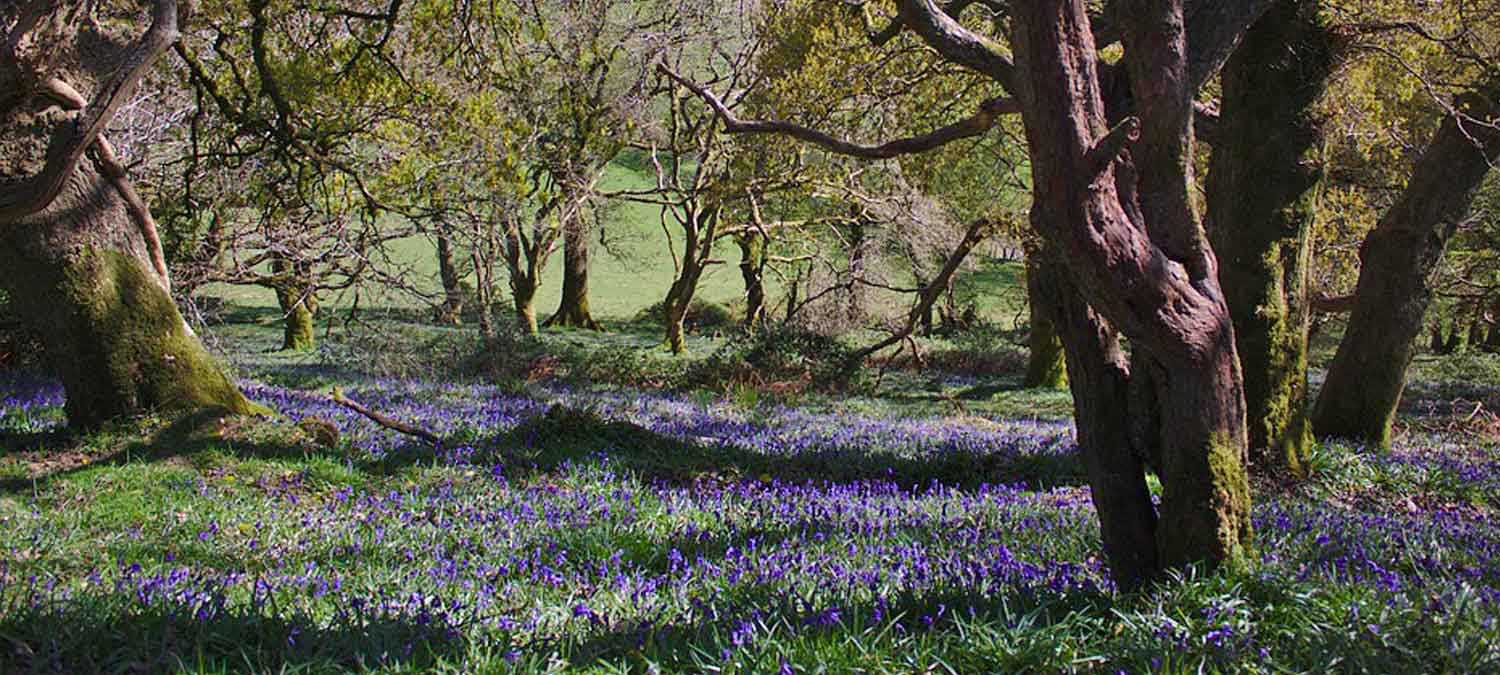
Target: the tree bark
pixel 79 273
pixel 1397 260
pixel 79 250
pixel 1099 376
pixel 451 311
pixel 523 296
pixel 1145 266
pixel 752 270
pixel 295 300
pixel 1263 187
pixel 1046 366
pixel 573 309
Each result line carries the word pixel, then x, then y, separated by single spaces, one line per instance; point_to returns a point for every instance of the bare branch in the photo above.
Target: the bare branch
pixel 976 125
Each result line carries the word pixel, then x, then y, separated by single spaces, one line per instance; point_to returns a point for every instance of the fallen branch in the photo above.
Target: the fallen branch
pixel 382 420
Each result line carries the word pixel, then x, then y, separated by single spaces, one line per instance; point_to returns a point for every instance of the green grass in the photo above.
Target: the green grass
pixel 635 269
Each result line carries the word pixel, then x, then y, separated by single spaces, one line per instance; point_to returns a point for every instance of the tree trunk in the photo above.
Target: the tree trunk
pixel 295 300
pixel 1046 366
pixel 79 273
pixel 858 291
pixel 1436 344
pixel 1397 261
pixel 752 270
pixel 1263 189
pixel 451 311
pixel 1144 265
pixel 1099 375
pixel 1476 335
pixel 1492 343
pixel 523 296
pixel 1455 338
pixel 573 309
pixel 296 319
pixel 675 310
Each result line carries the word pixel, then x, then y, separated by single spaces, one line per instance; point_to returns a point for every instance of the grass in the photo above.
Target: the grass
pixel 935 524
pixel 635 270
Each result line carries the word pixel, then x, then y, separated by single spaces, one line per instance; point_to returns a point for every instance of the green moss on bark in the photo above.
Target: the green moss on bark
pixel 130 351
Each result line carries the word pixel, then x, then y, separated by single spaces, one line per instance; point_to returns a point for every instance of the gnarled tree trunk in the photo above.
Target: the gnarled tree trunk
pixel 1262 198
pixel 81 254
pixel 1397 261
pixel 80 275
pixel 1099 376
pixel 1144 265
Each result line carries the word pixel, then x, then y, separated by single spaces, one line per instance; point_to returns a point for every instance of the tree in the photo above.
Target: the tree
pixel 1263 195
pixel 284 149
pixel 1364 384
pixel 1115 202
pixel 85 265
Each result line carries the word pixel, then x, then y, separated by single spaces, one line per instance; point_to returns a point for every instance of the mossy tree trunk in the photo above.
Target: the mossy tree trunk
pixel 573 308
pixel 1263 189
pixel 1046 366
pixel 451 311
pixel 753 269
pixel 80 250
pixel 1397 261
pixel 294 297
pixel 1126 229
pixel 80 275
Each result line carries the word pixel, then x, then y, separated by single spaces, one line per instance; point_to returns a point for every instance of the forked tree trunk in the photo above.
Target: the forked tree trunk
pixel 451 311
pixel 1161 291
pixel 752 270
pixel 1263 189
pixel 79 274
pixel 1046 366
pixel 573 309
pixel 1397 260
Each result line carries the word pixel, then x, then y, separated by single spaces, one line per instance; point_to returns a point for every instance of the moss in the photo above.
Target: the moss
pixel 130 351
pixel 1206 506
pixel 1046 366
pixel 297 334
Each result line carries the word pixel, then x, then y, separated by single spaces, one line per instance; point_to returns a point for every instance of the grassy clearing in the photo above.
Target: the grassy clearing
pixel 633 270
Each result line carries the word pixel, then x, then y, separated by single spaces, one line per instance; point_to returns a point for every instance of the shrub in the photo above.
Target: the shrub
pixel 701 315
pixel 783 358
pixel 510 355
pixel 984 349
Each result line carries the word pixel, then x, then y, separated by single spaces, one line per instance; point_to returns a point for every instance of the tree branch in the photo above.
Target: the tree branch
pixel 955 42
pixel 382 420
pixel 976 125
pixel 68 144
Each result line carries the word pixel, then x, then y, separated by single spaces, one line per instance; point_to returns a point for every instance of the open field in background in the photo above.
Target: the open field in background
pixel 633 270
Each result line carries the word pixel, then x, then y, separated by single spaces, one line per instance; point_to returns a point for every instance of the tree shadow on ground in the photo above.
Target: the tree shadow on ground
pixel 567 436
pixel 55 454
pixel 101 636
